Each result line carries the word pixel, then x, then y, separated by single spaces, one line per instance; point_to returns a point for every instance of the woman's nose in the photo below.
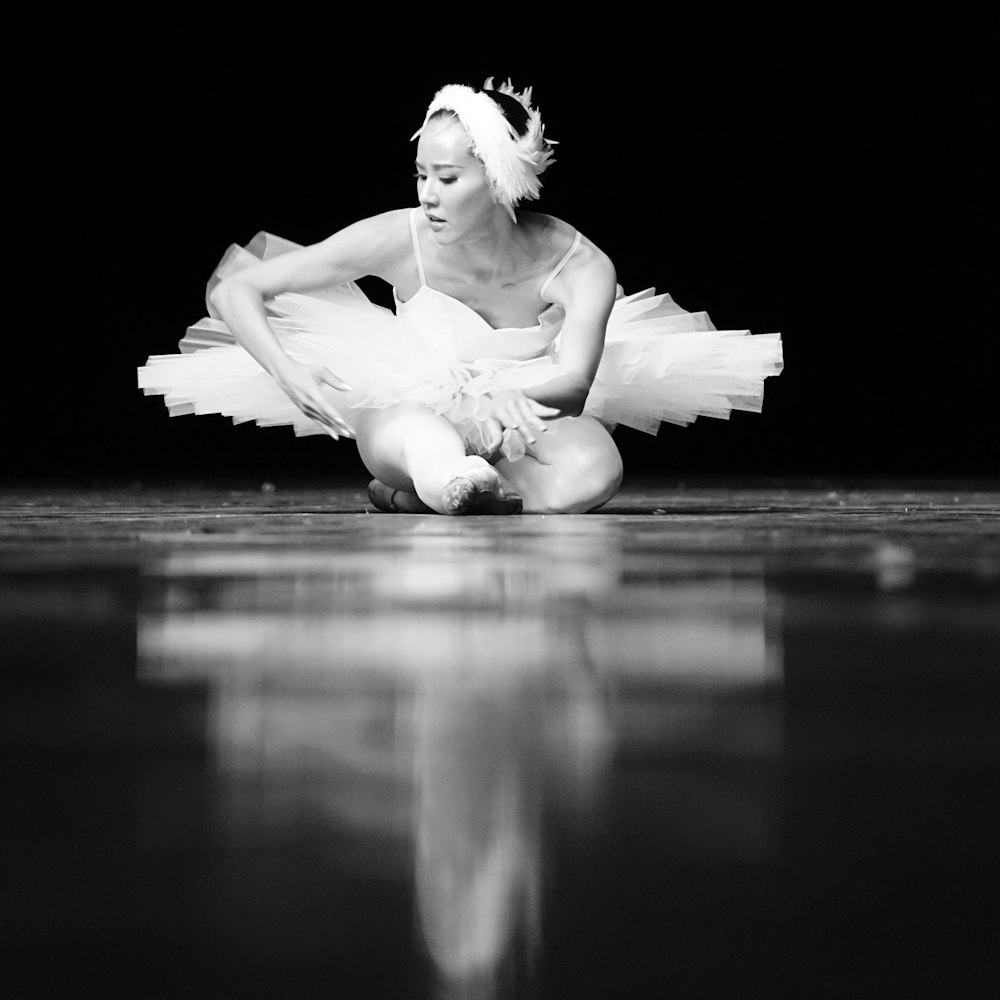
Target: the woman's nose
pixel 428 193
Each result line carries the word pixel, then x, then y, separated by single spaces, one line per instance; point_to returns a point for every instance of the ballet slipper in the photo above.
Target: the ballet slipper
pixel 390 501
pixel 475 487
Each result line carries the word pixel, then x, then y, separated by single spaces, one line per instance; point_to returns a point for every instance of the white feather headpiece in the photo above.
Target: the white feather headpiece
pixel 511 162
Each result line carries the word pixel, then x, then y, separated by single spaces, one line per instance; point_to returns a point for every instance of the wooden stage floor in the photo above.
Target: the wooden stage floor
pixel 715 739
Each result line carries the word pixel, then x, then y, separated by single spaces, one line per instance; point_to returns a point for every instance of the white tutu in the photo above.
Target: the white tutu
pixel 660 362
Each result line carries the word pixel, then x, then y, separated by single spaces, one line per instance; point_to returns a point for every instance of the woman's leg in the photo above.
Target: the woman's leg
pixel 419 454
pixel 572 468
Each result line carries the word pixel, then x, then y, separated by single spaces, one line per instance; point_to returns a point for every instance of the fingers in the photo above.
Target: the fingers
pixel 546 412
pixel 336 427
pixel 494 434
pixel 334 381
pixel 306 387
pixel 526 415
pixel 323 414
pixel 527 425
pixel 321 411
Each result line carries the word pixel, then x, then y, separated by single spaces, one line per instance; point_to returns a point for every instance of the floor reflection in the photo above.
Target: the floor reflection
pixel 266 745
pixel 448 713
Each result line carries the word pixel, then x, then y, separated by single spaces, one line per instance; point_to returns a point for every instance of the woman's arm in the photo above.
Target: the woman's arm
pixel 586 289
pixel 366 247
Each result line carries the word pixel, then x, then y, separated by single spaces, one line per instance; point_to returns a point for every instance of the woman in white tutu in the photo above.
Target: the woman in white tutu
pixel 510 357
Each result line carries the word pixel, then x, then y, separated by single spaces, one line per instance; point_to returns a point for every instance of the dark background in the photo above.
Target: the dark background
pixel 824 177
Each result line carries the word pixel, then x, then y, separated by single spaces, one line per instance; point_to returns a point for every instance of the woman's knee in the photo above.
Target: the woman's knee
pixel 580 479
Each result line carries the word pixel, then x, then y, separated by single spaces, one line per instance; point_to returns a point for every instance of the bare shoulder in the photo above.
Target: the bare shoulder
pixel 557 237
pixel 588 274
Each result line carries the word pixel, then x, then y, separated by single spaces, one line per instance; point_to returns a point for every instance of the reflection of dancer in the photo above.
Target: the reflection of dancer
pixel 478 850
pixel 485 758
pixel 511 353
pixel 510 726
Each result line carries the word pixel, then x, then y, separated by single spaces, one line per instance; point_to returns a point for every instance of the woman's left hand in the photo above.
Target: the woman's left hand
pixel 512 409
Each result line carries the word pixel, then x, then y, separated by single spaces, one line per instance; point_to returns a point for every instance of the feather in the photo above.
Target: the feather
pixel 512 163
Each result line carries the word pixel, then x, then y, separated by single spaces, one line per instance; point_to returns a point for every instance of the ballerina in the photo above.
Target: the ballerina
pixel 511 355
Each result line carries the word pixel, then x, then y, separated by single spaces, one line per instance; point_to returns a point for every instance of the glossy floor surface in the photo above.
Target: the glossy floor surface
pixel 710 742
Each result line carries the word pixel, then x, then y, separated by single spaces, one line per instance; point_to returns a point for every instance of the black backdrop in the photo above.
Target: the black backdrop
pixel 783 174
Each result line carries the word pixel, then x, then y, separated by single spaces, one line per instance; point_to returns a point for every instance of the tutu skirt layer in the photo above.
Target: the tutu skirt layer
pixel 660 363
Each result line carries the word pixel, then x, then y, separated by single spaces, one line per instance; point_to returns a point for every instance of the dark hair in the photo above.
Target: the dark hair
pixel 514 111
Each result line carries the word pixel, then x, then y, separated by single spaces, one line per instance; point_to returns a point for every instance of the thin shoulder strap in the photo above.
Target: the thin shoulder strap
pixel 416 247
pixel 569 253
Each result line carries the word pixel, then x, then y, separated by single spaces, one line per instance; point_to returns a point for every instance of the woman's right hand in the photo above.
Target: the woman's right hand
pixel 304 386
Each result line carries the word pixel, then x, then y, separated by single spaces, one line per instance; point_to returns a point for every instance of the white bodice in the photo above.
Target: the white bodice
pixel 457 330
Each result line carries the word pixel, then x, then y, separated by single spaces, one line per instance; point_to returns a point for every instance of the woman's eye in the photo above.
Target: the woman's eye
pixel 443 180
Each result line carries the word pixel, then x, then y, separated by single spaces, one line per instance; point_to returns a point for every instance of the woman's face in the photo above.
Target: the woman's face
pixel 451 185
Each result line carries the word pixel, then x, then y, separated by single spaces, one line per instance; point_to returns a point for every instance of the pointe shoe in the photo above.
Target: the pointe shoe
pixel 476 487
pixel 383 497
pixel 390 501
